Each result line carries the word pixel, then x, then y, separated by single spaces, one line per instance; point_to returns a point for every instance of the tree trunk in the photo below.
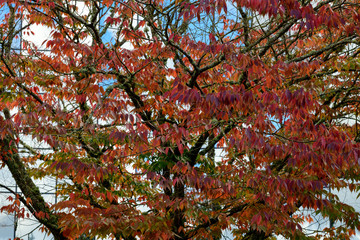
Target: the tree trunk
pixel 9 154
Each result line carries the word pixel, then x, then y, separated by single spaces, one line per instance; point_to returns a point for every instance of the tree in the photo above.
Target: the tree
pixel 134 119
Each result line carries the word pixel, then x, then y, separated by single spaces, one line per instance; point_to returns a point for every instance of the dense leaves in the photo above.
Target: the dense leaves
pixel 133 97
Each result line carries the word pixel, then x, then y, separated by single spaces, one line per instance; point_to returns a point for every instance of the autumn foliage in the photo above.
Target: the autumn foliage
pixel 135 96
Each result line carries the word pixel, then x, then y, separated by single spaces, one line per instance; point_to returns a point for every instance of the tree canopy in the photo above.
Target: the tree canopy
pixel 134 97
